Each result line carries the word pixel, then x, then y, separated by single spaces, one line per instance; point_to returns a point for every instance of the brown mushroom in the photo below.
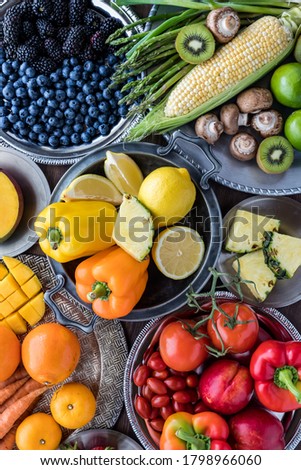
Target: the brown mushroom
pixel 267 123
pixel 232 118
pixel 243 146
pixel 223 24
pixel 209 128
pixel 254 100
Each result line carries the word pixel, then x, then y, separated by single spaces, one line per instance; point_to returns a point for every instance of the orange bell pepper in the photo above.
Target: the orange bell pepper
pixel 112 281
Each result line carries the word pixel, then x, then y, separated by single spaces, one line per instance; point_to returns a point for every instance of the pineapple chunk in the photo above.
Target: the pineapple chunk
pixel 6 308
pixel 32 287
pixel 3 271
pixel 247 231
pixel 8 286
pixel 134 228
pixel 282 254
pixel 253 268
pixel 11 263
pixel 17 299
pixel 17 323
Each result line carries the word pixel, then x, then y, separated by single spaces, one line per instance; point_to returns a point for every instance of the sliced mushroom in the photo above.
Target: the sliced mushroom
pixel 209 128
pixel 232 118
pixel 223 24
pixel 243 146
pixel 267 123
pixel 254 100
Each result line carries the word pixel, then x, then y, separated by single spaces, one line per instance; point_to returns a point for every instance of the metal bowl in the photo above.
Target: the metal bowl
pixel 68 155
pixel 271 320
pixel 162 295
pixel 86 440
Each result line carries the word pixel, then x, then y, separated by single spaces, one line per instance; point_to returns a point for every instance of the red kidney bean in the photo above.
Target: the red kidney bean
pixel 155 413
pixel 188 407
pixel 175 383
pixel 161 374
pixel 155 435
pixel 156 362
pixel 192 380
pixel 143 407
pixel 146 392
pixel 157 424
pixel 141 375
pixel 160 400
pixel 157 386
pixel 185 396
pixel 166 411
pixel 199 407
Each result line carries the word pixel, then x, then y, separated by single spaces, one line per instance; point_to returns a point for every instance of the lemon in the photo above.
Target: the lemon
pixel 178 252
pixel 92 187
pixel 123 172
pixel 168 193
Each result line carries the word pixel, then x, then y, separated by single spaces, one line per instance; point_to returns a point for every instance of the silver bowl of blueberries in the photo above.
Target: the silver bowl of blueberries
pixel 59 97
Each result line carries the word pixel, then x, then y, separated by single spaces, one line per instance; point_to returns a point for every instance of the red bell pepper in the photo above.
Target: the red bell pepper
pixel 202 431
pixel 276 368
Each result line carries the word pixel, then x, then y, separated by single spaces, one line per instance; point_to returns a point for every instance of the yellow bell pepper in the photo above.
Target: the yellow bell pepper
pixel 71 230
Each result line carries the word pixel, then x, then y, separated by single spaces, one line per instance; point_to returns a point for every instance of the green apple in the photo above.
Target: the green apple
pixel 292 129
pixel 286 84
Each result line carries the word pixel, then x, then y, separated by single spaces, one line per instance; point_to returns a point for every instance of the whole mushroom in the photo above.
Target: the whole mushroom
pixel 267 123
pixel 223 23
pixel 209 128
pixel 243 146
pixel 254 99
pixel 232 118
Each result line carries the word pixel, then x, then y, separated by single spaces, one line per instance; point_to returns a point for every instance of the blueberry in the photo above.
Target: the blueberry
pixel 49 128
pixel 95 76
pixel 74 104
pixel 89 66
pixel 53 103
pixel 19 125
pixel 103 118
pixel 75 138
pixel 84 109
pixel 23 67
pixel 59 114
pixel 30 72
pixel 60 95
pixel 87 89
pixel 89 121
pixel 16 102
pixel 104 71
pixel 66 62
pixel 66 71
pixel 99 96
pixel 4 122
pixel 41 102
pixel 73 61
pixel 13 77
pixel 78 127
pixel 2 80
pixel 13 118
pixel 103 107
pixel 25 79
pixel 93 111
pixel 85 75
pixel 49 94
pixel 24 131
pixel 104 84
pixel 30 120
pixel 86 137
pixel 123 110
pixel 37 128
pixel 58 132
pixel 71 92
pixel 113 103
pixel 33 110
pixel 63 106
pixel 59 85
pixel 79 119
pixel 65 141
pixel 9 91
pixel 104 129
pixel 107 94
pixel 70 82
pixel 7 68
pixel 90 99
pixel 44 118
pixel 33 136
pixel 69 113
pixel 74 76
pixel 32 83
pixel 18 83
pixel 80 83
pixel 78 68
pixel 53 141
pixel 91 131
pixel 48 111
pixel 81 97
pixel 42 80
pixel 33 94
pixel 96 125
pixel 54 77
pixel 112 59
pixel 23 113
pixel 67 130
pixel 53 121
pixel 60 124
pixel 94 85
pixel 3 111
pixel 43 138
pixel 15 64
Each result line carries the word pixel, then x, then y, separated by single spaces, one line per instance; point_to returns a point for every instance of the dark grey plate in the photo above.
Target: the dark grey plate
pixel 288 211
pixel 162 295
pixel 68 155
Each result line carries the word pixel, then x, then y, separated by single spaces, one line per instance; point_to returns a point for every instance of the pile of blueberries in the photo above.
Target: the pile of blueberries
pixel 70 106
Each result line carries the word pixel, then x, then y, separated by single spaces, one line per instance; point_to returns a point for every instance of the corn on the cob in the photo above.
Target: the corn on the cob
pixel 250 50
pixel 235 66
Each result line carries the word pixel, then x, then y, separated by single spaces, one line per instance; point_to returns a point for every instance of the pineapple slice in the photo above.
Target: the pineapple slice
pixel 247 229
pixel 253 268
pixel 134 228
pixel 282 254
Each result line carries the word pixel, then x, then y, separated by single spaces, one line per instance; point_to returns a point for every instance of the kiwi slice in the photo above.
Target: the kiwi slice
pixel 275 155
pixel 297 51
pixel 195 43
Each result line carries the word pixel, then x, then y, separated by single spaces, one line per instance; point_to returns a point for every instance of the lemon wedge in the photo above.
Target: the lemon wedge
pixel 178 252
pixel 123 172
pixel 92 187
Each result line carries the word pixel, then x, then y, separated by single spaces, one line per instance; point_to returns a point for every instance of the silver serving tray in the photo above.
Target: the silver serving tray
pixel 69 155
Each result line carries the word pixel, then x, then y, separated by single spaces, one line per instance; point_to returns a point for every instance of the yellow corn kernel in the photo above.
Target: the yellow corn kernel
pixel 32 287
pixel 257 45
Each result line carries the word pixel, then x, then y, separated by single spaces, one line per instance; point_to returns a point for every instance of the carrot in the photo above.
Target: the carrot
pixel 28 387
pixel 16 409
pixel 19 373
pixel 10 389
pixel 8 441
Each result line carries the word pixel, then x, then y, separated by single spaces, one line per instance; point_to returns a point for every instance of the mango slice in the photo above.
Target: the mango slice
pixel 17 323
pixel 8 286
pixel 22 273
pixel 10 263
pixel 6 308
pixel 3 272
pixel 11 205
pixel 17 299
pixel 32 287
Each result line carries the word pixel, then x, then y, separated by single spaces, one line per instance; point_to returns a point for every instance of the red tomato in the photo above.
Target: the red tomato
pixel 238 327
pixel 179 349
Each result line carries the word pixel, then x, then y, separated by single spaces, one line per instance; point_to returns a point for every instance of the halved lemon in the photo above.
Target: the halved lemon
pixel 123 172
pixel 178 252
pixel 92 187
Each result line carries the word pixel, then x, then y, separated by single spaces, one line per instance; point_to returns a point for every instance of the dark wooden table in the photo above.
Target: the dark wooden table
pixel 227 199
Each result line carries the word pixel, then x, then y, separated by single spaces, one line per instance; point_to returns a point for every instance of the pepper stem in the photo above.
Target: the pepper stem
pixel 286 377
pixel 100 290
pixel 54 236
pixel 194 442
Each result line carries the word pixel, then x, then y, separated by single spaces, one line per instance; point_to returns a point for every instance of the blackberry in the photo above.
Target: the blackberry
pixel 10 51
pixel 98 41
pixel 59 14
pixel 12 24
pixel 110 25
pixel 92 21
pixel 26 53
pixel 43 65
pixel 28 29
pixel 35 41
pixel 54 49
pixel 62 34
pixel 87 54
pixel 77 10
pixel 42 8
pixel 45 28
pixel 74 43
